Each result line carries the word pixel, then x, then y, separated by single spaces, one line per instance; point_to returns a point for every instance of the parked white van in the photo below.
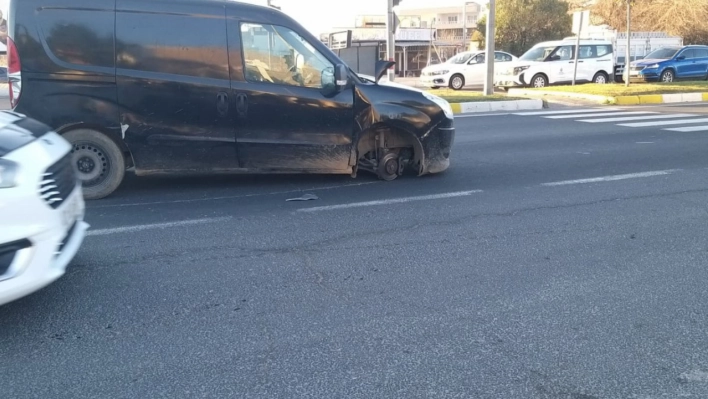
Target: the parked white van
pixel 553 63
pixel 464 69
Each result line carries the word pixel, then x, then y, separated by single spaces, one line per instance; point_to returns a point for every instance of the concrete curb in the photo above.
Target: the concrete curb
pixel 659 99
pixel 493 106
pixel 672 98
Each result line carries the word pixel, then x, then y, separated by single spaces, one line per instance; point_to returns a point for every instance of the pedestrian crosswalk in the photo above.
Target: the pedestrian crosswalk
pixel 628 118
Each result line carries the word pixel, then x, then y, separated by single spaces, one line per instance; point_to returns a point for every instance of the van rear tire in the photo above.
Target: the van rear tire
pixel 98 162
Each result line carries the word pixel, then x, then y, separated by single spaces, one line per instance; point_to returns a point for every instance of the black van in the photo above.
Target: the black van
pixel 210 86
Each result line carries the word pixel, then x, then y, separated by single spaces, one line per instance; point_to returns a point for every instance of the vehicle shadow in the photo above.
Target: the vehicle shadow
pixel 134 186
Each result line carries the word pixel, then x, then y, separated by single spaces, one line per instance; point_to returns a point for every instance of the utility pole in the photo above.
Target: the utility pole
pixel 390 39
pixel 629 41
pixel 577 47
pixel 489 81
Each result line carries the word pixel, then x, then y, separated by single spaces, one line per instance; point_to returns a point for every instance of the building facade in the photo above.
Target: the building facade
pixel 425 36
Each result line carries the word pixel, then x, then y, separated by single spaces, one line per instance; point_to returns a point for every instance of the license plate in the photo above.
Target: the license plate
pixel 71 211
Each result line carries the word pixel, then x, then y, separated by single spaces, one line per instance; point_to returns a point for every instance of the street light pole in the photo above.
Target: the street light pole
pixel 390 39
pixel 489 81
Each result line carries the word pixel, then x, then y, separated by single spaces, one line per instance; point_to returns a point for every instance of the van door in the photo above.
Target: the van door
pixel 284 119
pixel 560 64
pixel 173 85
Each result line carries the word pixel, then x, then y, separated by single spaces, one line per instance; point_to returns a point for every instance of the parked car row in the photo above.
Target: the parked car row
pixel 554 62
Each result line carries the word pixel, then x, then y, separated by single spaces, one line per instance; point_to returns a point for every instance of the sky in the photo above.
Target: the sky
pixel 319 16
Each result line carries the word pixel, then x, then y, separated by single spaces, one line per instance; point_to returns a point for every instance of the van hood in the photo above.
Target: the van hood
pixel 386 82
pixel 508 67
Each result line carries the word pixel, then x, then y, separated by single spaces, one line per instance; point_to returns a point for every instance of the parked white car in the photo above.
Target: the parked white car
pixel 464 69
pixel 554 62
pixel 41 207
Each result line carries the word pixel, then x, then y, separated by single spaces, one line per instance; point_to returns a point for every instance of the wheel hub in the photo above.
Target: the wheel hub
pixel 389 167
pixel 90 162
pixel 86 164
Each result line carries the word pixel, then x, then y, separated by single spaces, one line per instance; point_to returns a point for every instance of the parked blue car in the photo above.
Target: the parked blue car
pixel 668 64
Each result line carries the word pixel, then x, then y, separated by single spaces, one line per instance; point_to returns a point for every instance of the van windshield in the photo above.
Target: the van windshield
pixel 662 53
pixel 537 53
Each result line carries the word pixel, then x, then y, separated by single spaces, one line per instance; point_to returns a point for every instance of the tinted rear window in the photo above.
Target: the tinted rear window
pixel 79 37
pixel 175 44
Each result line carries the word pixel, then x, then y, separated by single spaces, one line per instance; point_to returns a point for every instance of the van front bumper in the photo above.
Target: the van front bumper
pixel 437 147
pixel 510 80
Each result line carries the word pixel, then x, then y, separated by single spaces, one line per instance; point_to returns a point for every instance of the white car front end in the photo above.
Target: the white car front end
pixel 436 76
pixel 42 213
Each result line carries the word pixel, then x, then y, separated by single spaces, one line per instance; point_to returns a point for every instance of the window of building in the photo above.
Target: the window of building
pixel 452 19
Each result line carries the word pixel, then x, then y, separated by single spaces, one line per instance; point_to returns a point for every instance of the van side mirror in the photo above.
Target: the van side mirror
pixel 334 79
pixel 341 76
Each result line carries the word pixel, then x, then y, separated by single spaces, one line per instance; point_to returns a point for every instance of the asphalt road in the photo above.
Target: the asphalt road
pixel 555 259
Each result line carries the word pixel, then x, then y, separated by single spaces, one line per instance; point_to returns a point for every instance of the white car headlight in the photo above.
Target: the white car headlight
pixel 8 173
pixel 447 109
pixel 519 69
pixel 445 72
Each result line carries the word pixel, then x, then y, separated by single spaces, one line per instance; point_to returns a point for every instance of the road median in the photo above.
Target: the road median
pixel 465 102
pixel 618 94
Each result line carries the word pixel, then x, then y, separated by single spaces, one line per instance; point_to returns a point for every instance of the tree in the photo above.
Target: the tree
pixel 685 18
pixel 478 36
pixel 520 24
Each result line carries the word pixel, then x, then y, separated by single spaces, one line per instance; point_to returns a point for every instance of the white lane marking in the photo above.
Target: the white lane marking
pixel 391 201
pixel 227 197
pixel 612 178
pixel 601 114
pixel 565 111
pixel 664 123
pixel 141 227
pixel 636 118
pixel 645 142
pixel 688 129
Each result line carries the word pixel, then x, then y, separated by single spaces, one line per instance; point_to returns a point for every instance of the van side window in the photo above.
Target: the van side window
pixel 276 54
pixel 172 48
pixel 603 50
pixel 587 52
pixel 701 53
pixel 563 53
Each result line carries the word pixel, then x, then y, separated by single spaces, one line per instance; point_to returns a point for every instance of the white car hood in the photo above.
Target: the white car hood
pixel 437 67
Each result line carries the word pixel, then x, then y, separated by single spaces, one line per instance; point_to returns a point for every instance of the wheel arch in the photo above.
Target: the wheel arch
pixel 111 134
pixel 397 136
pixel 544 74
